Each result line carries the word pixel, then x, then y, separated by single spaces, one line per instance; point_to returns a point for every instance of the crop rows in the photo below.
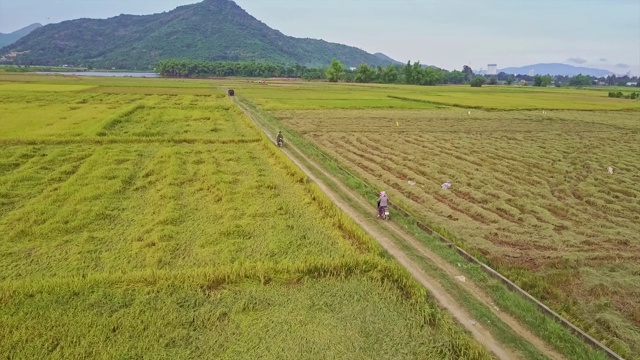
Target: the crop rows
pixel 531 192
pixel 167 226
pixel 291 95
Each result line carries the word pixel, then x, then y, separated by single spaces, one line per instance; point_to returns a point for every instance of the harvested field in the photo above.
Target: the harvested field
pixel 531 192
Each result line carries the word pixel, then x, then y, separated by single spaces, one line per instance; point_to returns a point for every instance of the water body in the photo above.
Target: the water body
pixel 105 73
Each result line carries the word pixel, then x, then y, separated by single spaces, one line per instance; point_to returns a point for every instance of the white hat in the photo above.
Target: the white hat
pixel 382 192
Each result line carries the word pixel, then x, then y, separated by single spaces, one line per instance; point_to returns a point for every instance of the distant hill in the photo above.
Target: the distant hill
pixel 8 39
pixel 214 30
pixel 556 69
pixel 386 58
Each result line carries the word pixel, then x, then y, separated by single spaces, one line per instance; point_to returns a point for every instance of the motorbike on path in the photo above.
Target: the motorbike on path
pixel 383 212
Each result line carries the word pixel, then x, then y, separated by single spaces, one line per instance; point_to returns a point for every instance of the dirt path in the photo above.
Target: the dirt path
pixel 450 270
pixel 480 333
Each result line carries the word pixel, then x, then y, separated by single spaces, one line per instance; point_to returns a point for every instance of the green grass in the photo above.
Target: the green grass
pixel 133 229
pixel 143 84
pixel 299 95
pixel 29 115
pixel 531 194
pixel 291 317
pixel 159 207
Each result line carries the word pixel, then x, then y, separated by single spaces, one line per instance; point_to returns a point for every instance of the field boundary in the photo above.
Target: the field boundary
pixel 125 141
pixel 442 298
pixel 478 107
pixel 586 338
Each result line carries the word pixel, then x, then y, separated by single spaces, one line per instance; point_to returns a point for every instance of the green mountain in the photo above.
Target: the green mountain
pixel 8 39
pixel 214 30
pixel 388 59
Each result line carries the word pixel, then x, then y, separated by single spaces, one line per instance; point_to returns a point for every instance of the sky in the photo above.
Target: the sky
pixel 592 33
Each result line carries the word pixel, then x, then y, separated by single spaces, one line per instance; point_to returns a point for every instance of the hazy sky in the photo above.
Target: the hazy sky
pixel 449 34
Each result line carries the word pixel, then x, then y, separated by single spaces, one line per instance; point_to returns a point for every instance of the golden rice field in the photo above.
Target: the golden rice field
pixel 151 219
pixel 531 189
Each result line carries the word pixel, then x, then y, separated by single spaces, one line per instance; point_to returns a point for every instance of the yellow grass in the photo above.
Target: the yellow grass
pixel 168 226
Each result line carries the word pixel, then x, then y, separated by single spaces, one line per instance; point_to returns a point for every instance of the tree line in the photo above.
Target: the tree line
pixel 409 73
pixel 195 68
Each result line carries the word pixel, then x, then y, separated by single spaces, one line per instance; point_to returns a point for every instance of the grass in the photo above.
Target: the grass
pixel 297 95
pixel 134 230
pixel 526 312
pixel 138 212
pixel 30 115
pixel 531 193
pixel 210 314
pixel 144 84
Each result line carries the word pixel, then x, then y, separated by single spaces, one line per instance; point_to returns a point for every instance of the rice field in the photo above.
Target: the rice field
pixel 146 218
pixel 292 95
pixel 531 190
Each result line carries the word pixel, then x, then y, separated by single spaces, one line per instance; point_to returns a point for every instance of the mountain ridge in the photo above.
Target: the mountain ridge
pixel 12 37
pixel 556 69
pixel 212 30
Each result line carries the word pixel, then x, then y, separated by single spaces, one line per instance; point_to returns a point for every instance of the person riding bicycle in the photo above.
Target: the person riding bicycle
pixel 383 202
pixel 279 138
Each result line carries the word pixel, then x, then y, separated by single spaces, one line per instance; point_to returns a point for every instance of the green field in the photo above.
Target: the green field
pixel 293 95
pixel 148 218
pixel 531 193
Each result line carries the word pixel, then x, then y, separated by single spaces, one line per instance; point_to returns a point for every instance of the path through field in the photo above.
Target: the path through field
pixel 479 331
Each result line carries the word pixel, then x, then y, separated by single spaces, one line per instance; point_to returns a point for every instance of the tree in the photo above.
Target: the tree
pixel 467 72
pixel 335 71
pixel 455 77
pixel 414 74
pixel 493 80
pixel 432 76
pixel 537 80
pixel 510 79
pixel 502 76
pixel 417 73
pixel 477 81
pixel 542 81
pixel 389 75
pixel 365 74
pixel 408 73
pixel 348 75
pixel 580 80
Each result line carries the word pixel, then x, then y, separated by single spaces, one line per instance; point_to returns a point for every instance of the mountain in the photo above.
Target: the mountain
pixel 556 69
pixel 388 59
pixel 214 30
pixel 8 39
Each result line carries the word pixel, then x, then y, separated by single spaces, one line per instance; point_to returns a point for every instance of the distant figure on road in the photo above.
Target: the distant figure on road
pixel 279 138
pixel 383 202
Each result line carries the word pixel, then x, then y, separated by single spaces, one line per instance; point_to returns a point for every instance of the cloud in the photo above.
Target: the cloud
pixel 622 66
pixel 603 60
pixel 577 60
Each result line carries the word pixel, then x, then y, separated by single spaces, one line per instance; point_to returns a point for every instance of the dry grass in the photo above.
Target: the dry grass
pixel 530 192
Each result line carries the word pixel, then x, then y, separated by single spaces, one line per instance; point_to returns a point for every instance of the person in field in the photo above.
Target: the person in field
pixel 279 137
pixel 383 202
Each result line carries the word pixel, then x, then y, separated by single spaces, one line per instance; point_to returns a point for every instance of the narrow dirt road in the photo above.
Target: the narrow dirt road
pixel 480 333
pixel 449 269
